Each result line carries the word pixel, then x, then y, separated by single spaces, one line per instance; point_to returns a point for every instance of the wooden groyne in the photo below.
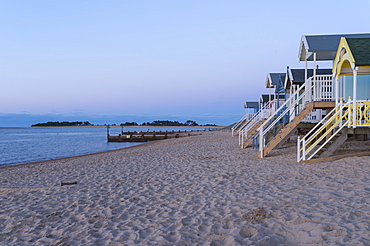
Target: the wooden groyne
pixel 152 135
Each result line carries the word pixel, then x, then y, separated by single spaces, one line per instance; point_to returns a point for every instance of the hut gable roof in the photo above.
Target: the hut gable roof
pixel 352 53
pixel 296 76
pixel 325 46
pixel 360 48
pixel 265 97
pixel 276 80
pixel 251 105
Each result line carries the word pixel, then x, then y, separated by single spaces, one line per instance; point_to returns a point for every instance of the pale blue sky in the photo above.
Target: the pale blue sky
pixel 116 61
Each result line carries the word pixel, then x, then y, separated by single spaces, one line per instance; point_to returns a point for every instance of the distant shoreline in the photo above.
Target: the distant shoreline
pixel 111 126
pixel 14 127
pixel 82 155
pixel 69 157
pixel 102 126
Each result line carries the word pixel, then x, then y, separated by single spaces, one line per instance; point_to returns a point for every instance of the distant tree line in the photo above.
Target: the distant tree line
pixel 64 123
pixel 129 124
pixel 162 123
pixel 154 123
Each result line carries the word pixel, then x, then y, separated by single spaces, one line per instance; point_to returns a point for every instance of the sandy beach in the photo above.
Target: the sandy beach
pixel 199 190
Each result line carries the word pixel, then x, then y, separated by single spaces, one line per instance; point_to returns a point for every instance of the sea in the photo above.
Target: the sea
pixel 31 144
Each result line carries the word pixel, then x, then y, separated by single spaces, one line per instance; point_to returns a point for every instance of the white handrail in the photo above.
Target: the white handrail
pixel 289 104
pixel 316 83
pixel 239 123
pixel 322 87
pixel 302 143
pixel 243 133
pixel 293 104
pixel 257 117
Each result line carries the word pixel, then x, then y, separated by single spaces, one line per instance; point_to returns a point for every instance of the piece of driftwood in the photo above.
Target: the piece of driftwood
pixel 68 183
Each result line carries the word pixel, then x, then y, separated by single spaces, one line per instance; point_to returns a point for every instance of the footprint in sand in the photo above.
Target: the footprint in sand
pixel 145 233
pixel 216 243
pixel 335 233
pixel 187 221
pixel 99 224
pixel 228 224
pixel 173 236
pixel 248 232
pixel 300 220
pixel 329 227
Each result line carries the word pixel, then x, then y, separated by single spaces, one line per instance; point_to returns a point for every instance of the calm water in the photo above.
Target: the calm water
pixel 22 145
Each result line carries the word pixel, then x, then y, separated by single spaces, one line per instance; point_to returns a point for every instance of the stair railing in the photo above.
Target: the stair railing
pixel 264 112
pixel 241 123
pixel 323 87
pixel 288 106
pixel 328 127
pixel 296 103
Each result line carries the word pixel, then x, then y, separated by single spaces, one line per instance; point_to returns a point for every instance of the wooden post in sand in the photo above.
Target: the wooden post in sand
pixel 107 132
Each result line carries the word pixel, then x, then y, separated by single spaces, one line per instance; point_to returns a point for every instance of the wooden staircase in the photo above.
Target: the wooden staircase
pixel 241 126
pixel 325 153
pixel 287 131
pixel 333 144
pixel 271 134
pixel 252 131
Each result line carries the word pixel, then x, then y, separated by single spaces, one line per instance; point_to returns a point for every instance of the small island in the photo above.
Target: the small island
pixel 63 123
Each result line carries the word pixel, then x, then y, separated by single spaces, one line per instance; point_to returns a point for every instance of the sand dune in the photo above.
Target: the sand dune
pixel 199 190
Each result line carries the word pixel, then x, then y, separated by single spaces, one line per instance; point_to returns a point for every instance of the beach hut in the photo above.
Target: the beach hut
pixel 351 69
pixel 315 92
pixel 351 72
pixel 300 103
pixel 309 92
pixel 252 108
pixel 272 101
pixel 248 128
pixel 316 48
pixel 276 81
pixel 268 104
pixel 295 78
